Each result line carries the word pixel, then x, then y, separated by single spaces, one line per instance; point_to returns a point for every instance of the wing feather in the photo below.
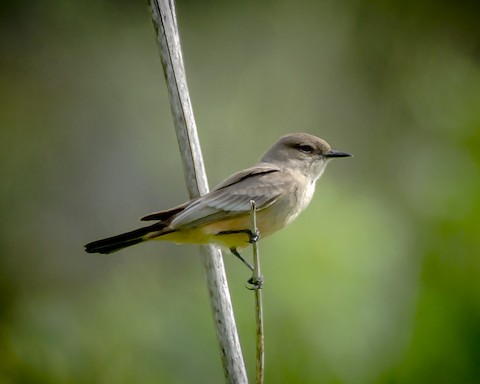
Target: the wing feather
pixel 167 214
pixel 263 183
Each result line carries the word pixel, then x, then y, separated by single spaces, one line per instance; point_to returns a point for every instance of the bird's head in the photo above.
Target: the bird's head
pixel 303 152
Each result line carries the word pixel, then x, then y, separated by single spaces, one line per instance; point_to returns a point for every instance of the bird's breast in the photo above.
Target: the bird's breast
pixel 303 196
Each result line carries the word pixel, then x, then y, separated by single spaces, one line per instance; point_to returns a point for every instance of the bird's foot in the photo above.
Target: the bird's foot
pixel 253 237
pixel 256 282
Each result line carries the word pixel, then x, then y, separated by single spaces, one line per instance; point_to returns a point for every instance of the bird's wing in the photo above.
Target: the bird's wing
pixel 263 183
pixel 258 169
pixel 167 214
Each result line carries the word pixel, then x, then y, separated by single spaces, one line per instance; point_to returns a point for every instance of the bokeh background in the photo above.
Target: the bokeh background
pixel 377 282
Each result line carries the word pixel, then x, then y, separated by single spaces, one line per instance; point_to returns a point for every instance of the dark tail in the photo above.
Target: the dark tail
pixel 115 243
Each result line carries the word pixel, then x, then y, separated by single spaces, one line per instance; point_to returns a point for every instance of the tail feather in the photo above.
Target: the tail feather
pixel 115 243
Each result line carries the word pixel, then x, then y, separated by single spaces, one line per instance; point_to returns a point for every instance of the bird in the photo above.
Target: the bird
pixel 281 184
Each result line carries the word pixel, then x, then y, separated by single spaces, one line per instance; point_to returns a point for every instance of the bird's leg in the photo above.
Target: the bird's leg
pixel 244 261
pixel 255 282
pixel 253 237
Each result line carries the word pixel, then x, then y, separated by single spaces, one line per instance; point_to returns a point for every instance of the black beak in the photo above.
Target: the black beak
pixel 333 153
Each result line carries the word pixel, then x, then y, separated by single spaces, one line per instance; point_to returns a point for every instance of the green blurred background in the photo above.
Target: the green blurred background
pixel 377 282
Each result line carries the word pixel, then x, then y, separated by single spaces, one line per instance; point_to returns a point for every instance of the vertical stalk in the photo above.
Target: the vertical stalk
pixel 166 29
pixel 257 279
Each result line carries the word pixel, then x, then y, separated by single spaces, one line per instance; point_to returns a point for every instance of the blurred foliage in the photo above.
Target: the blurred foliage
pixel 377 282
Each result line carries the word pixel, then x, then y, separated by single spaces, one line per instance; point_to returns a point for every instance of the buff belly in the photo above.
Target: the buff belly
pixel 220 232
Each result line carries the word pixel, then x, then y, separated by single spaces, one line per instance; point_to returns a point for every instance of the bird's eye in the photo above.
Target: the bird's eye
pixel 305 148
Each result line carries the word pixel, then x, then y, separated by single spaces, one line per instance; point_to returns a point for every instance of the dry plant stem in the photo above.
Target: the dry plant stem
pixel 164 21
pixel 258 278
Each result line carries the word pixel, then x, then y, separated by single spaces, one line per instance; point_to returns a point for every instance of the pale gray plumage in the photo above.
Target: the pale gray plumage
pixel 281 184
pixel 263 184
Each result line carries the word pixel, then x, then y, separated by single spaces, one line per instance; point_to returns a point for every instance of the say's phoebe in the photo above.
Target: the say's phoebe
pixel 281 184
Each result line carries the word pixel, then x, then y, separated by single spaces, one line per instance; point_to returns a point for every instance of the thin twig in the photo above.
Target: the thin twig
pixel 165 24
pixel 257 279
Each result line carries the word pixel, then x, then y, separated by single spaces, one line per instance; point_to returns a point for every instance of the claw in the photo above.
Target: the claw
pixel 256 282
pixel 253 237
